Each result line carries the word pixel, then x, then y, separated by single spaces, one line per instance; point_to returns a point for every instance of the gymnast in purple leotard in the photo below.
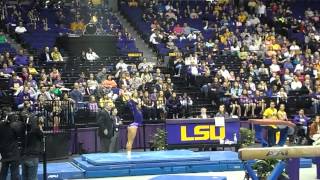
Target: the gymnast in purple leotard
pixel 135 107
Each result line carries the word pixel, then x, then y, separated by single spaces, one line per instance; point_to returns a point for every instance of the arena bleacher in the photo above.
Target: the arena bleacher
pixel 241 55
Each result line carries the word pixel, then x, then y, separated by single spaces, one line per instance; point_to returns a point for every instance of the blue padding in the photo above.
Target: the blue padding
pixel 89 167
pixel 144 157
pixel 204 168
pixel 61 171
pixel 107 173
pixel 146 171
pixel 179 169
pixel 235 167
pixel 223 156
pixel 185 177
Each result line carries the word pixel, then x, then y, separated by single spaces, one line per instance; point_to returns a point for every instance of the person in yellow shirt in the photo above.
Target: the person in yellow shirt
pixel 56 55
pixel 105 100
pixel 32 70
pixel 271 113
pixel 242 17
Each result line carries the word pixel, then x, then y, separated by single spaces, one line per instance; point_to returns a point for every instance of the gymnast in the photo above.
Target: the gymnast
pixel 135 107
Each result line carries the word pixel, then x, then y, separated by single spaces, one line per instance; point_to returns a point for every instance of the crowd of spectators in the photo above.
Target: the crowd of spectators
pixel 265 50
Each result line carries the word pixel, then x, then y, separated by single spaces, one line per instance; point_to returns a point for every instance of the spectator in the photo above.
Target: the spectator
pixel 186 105
pixel 296 84
pixel 92 83
pixel 315 131
pixel 109 82
pixel 2 38
pixel 102 75
pixel 174 106
pixel 302 122
pixel 46 55
pixel 93 105
pixel 76 94
pixel 91 55
pixel 148 107
pixel 20 29
pixel 222 112
pixel 203 113
pixel 271 113
pixel 56 55
pixel 21 59
pixel 6 71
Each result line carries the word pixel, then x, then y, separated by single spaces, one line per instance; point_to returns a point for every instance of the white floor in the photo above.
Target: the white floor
pixel 305 174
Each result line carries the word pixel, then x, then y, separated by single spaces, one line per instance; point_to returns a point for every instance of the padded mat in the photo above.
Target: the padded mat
pixel 144 157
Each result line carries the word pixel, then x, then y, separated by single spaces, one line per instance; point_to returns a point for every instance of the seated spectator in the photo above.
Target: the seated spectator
pixel 15 84
pixel 6 71
pixel 122 65
pixel 32 70
pixel 161 105
pixel 102 75
pixel 91 55
pixel 54 74
pixel 148 107
pixel 56 55
pixel 32 82
pixel 106 101
pixel 247 103
pixel 93 105
pixel 235 92
pixel 2 37
pixel 46 55
pixel 59 83
pixel 143 65
pixel 92 83
pixel 301 120
pixel 76 94
pixel 82 78
pixel 20 29
pixel 21 59
pixel 186 105
pixel 203 113
pixel 274 67
pixel 222 112
pixel 296 84
pixel 109 82
pixel 315 131
pixel 173 105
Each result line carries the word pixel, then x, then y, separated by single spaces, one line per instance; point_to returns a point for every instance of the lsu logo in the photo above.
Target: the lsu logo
pixel 203 133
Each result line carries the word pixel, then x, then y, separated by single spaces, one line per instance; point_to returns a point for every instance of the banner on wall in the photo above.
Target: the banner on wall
pixel 193 131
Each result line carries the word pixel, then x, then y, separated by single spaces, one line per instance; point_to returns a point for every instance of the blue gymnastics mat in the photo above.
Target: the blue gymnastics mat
pixel 100 159
pixel 162 162
pixel 185 177
pixel 60 171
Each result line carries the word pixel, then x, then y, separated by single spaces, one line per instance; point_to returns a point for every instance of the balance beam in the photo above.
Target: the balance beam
pixel 268 122
pixel 279 152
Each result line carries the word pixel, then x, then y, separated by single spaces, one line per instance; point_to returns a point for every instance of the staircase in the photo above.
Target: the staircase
pixel 140 44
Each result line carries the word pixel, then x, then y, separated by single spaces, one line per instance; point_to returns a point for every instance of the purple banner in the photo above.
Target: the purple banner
pixel 196 131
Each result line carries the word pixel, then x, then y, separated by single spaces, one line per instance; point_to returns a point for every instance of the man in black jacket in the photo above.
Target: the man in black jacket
pixel 105 128
pixel 32 147
pixel 10 131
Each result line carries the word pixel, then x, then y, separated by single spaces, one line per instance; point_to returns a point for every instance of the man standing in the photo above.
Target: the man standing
pixel 105 128
pixel 116 121
pixel 9 146
pixel 271 113
pixel 32 148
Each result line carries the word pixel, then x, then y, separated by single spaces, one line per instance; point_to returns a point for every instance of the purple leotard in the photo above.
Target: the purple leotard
pixel 137 114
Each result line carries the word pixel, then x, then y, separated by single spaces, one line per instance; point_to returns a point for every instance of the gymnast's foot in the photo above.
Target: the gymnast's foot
pixel 129 154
